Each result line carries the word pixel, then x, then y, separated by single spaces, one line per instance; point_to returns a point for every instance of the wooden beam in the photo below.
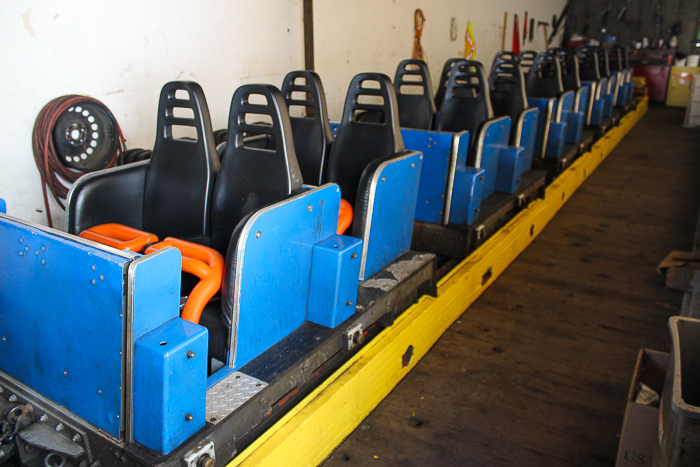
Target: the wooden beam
pixel 309 35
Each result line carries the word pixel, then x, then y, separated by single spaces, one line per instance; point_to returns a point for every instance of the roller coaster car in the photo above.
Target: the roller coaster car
pixel 617 58
pixel 469 190
pixel 545 90
pixel 104 371
pixel 583 103
pixel 602 89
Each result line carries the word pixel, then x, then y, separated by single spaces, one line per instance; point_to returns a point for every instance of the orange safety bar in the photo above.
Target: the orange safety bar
pixel 203 262
pixel 119 236
pixel 344 216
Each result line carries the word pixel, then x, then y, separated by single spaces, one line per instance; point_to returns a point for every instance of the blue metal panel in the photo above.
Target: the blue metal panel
pixel 546 107
pixel 3 206
pixel 510 166
pixel 495 136
pixel 555 141
pixel 467 195
pixel 584 94
pixel 335 267
pixel 61 319
pixel 274 266
pixel 154 288
pixel 528 136
pixel 170 384
pixel 392 209
pixel 437 148
pixel 597 106
pixel 574 126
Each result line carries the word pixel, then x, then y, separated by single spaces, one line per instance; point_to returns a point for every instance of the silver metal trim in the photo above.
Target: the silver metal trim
pixel 577 99
pixel 128 255
pixel 560 104
pixel 233 339
pixel 519 125
pixel 451 172
pixel 128 346
pixel 547 124
pixel 592 89
pixel 370 208
pixel 482 137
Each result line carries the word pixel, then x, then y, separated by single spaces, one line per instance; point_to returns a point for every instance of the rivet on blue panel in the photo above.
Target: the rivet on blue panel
pixel 170 382
pixel 335 267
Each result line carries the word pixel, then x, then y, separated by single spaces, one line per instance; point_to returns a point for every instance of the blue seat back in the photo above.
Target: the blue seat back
pixel 414 95
pixel 311 131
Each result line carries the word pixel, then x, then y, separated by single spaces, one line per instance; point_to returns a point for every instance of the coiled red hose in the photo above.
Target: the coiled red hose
pixel 53 171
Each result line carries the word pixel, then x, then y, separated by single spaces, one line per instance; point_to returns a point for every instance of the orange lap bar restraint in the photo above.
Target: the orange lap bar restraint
pixel 119 236
pixel 203 262
pixel 344 217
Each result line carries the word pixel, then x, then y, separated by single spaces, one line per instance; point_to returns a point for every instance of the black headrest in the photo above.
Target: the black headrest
pixel 414 94
pixel 569 69
pixel 624 57
pixel 251 177
pixel 444 79
pixel 603 63
pixel 358 143
pixel 615 59
pixel 507 87
pixel 527 59
pixel 588 64
pixel 311 130
pixel 544 79
pixel 183 166
pixel 467 103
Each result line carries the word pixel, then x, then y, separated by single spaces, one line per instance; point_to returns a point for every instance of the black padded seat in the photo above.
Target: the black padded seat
pixel 603 63
pixel 416 109
pixel 589 69
pixel 507 87
pixel 614 59
pixel 570 74
pixel 357 143
pixel 311 131
pixel 252 177
pixel 169 195
pixel 527 59
pixel 444 79
pixel 467 103
pixel 544 80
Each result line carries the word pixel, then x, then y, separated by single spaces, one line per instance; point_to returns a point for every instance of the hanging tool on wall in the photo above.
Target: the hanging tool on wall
pixel 603 17
pixel 73 135
pixel 419 22
pixel 505 29
pixel 525 29
pixel 516 35
pixel 532 30
pixel 558 24
pixel 545 27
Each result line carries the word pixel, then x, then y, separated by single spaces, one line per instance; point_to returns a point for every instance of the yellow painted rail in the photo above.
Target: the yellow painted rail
pixel 320 422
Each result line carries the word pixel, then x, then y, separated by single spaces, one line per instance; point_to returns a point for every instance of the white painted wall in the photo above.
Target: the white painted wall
pixel 123 52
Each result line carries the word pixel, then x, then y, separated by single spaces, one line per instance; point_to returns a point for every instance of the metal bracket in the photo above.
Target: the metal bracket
pixel 203 455
pixel 480 232
pixel 353 336
pixel 521 201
